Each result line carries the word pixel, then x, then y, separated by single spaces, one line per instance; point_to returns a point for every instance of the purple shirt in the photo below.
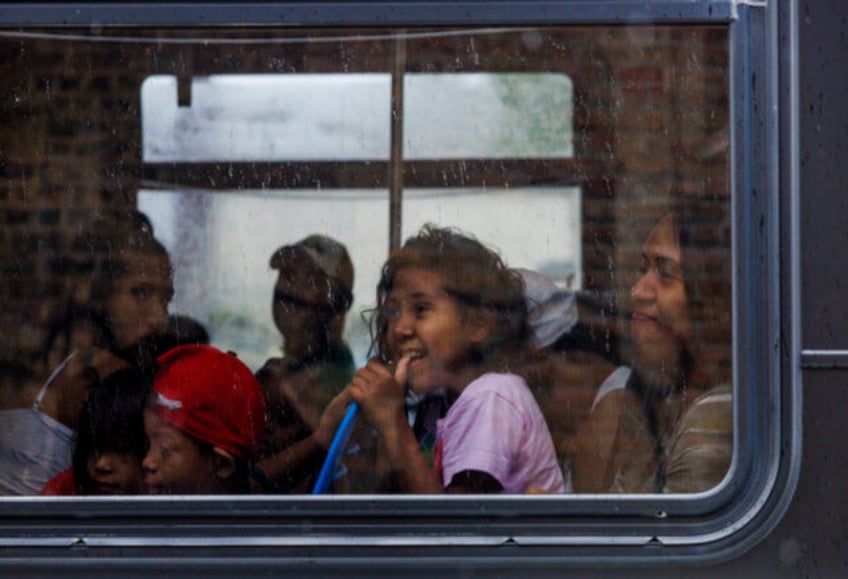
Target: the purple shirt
pixel 496 427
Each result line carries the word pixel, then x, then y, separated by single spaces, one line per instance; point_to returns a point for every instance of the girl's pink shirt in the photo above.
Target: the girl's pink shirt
pixel 496 427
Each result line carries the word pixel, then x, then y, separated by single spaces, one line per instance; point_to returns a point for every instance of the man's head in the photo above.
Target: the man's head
pixel 313 292
pixel 120 284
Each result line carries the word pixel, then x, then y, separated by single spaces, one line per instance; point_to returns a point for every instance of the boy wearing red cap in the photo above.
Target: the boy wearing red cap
pixel 204 422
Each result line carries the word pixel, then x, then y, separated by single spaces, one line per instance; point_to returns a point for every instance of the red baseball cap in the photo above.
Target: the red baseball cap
pixel 211 396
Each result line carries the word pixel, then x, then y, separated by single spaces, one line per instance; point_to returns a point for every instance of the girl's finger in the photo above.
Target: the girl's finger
pixel 402 370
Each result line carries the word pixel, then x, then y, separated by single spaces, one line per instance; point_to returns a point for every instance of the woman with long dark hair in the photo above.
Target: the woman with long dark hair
pixel 670 429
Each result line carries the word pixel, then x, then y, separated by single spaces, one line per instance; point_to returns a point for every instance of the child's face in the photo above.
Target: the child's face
pixel 138 304
pixel 426 323
pixel 174 463
pixel 115 473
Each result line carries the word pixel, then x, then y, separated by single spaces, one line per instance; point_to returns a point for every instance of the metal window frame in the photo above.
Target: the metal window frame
pixel 425 534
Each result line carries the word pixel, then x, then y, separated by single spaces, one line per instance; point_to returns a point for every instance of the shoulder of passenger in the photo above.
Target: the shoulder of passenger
pixel 714 409
pixel 721 394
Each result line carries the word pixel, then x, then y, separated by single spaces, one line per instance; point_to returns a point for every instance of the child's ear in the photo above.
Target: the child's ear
pixel 224 464
pixel 483 324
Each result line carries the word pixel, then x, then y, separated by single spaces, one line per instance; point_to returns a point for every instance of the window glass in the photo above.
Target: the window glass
pixel 334 117
pixel 346 117
pixel 560 321
pixel 487 115
pixel 267 118
pixel 203 231
pixel 554 211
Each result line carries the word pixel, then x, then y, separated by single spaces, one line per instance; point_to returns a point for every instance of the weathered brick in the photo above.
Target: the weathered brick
pixel 49 217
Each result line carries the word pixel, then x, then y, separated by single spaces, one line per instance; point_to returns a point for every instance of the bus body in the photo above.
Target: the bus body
pixel 556 131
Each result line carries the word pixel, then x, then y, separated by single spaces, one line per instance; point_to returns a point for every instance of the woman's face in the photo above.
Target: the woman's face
pixel 660 326
pixel 138 304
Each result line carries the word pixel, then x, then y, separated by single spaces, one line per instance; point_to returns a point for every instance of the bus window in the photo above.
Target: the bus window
pixel 550 249
pixel 560 149
pixel 254 186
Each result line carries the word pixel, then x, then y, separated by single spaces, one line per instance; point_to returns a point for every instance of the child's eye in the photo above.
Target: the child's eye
pixel 421 309
pixel 390 313
pixel 140 292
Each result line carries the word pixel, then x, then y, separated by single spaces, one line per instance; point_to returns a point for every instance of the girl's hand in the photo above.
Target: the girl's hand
pixel 380 394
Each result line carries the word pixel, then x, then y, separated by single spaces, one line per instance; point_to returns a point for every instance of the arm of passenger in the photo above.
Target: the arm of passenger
pixel 407 463
pixel 293 463
pixel 701 453
pixel 380 397
pixel 593 446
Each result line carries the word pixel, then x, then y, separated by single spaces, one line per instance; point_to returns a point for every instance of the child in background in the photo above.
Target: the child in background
pixel 110 442
pixel 451 315
pixel 204 423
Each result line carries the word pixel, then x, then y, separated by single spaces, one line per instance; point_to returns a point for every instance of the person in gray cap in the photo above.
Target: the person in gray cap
pixel 578 367
pixel 552 310
pixel 312 295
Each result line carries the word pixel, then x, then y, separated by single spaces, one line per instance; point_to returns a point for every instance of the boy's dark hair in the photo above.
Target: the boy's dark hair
pixel 181 330
pixel 475 276
pixel 112 420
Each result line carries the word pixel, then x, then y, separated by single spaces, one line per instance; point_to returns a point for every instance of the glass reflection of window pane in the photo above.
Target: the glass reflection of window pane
pixel 500 217
pixel 268 118
pixel 222 244
pixel 487 115
pixel 298 117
